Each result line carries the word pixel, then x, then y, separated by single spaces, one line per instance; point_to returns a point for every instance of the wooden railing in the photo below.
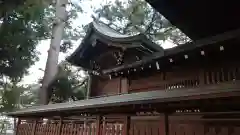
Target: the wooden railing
pixel 186 79
pixel 70 126
pixel 112 129
pixel 146 127
pixel 221 75
pixel 47 128
pixel 194 124
pixel 25 128
pixel 183 84
pixel 198 126
pixel 56 127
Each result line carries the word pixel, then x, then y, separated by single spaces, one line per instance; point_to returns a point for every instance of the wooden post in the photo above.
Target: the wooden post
pixel 201 77
pixel 98 125
pixel 85 126
pixel 126 126
pixel 34 127
pixel 60 126
pixel 103 125
pixel 166 124
pixel 120 85
pixel 17 126
pixel 124 85
pixel 89 86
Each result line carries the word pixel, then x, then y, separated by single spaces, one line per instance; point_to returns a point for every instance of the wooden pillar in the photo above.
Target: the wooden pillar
pixel 89 86
pixel 124 85
pixel 60 126
pixel 126 126
pixel 34 127
pixel 98 125
pixel 85 126
pixel 166 124
pixel 17 126
pixel 103 125
pixel 202 77
pixel 120 85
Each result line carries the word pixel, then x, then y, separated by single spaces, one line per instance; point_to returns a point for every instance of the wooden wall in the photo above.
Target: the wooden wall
pixel 185 77
pixel 165 80
pixel 107 86
pixel 195 125
pixel 177 78
pixel 213 67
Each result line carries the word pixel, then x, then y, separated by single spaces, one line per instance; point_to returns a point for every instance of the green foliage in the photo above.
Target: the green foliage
pixel 14 97
pixel 20 31
pixel 10 98
pixel 136 16
pixel 4 123
pixel 71 33
pixel 22 27
pixel 68 85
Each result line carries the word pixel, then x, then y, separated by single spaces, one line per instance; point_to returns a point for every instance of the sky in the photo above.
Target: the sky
pixel 36 72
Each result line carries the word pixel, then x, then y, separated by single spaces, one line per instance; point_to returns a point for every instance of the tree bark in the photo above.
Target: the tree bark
pixel 53 52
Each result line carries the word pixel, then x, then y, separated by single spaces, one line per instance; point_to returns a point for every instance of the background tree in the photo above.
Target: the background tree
pixel 137 16
pixel 23 24
pixel 14 97
pixel 69 85
pixel 21 30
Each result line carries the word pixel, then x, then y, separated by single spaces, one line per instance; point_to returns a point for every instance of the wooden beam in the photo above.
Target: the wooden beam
pixel 124 46
pixel 166 124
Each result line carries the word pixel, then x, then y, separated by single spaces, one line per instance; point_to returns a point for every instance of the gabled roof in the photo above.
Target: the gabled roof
pixel 101 32
pixel 200 18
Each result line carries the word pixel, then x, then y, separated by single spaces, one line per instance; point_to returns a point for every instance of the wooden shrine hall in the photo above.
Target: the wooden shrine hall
pixel 138 88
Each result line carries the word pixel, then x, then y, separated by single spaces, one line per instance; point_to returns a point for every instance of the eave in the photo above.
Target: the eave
pixel 230 89
pixel 200 18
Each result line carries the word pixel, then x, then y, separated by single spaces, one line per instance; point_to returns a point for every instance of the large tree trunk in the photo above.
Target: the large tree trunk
pixel 53 52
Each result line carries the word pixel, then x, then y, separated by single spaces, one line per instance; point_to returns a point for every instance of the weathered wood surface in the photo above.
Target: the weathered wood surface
pixel 181 77
pixel 138 125
pixel 185 78
pixel 221 90
pixel 204 127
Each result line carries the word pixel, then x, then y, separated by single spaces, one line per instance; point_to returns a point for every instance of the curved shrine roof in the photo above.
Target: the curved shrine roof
pixel 101 32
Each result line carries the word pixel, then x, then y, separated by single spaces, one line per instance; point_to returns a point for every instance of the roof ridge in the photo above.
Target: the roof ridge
pixel 102 24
